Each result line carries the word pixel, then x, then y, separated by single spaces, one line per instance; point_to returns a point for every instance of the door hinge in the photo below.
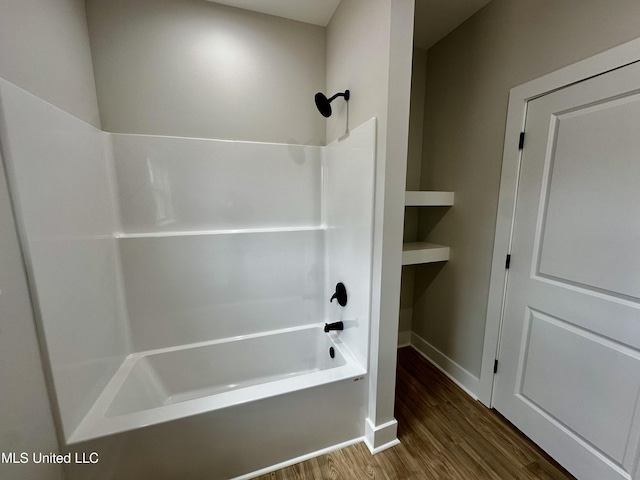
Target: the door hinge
pixel 495 366
pixel 507 263
pixel 521 141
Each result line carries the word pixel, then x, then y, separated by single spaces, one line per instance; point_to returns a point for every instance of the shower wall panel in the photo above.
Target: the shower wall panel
pixel 60 177
pixel 189 289
pixel 219 238
pixel 175 184
pixel 349 171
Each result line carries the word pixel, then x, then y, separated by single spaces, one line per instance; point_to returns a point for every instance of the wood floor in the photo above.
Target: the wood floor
pixel 444 434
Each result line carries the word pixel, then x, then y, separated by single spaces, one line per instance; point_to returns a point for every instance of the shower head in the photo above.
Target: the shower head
pixel 324 104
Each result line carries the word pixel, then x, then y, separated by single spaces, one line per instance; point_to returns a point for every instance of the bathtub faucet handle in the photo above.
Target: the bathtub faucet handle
pixel 340 295
pixel 333 326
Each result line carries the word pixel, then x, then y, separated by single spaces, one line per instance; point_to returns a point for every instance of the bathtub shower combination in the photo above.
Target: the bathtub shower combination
pixel 182 287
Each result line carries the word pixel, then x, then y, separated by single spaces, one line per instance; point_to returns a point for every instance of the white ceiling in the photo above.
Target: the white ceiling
pixel 316 12
pixel 434 19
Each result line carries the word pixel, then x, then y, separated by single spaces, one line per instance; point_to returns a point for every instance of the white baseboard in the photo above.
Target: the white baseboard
pixel 380 437
pixel 461 377
pixel 404 338
pixel 302 458
pixel 379 449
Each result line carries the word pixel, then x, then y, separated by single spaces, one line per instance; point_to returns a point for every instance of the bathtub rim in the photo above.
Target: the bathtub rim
pixel 96 424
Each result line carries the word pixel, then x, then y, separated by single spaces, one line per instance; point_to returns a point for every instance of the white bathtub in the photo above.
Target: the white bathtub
pixel 157 386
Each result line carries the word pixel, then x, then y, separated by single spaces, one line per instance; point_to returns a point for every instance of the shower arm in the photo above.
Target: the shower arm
pixel 341 94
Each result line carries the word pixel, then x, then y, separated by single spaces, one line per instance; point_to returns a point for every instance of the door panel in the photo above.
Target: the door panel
pixel 592 180
pixel 565 367
pixel 569 374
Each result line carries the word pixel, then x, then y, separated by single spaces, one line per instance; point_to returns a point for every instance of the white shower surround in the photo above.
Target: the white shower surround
pixel 110 286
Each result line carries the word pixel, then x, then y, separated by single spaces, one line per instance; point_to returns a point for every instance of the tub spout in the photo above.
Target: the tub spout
pixel 333 326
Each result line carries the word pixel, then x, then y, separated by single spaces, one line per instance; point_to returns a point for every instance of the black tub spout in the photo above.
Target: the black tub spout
pixel 333 326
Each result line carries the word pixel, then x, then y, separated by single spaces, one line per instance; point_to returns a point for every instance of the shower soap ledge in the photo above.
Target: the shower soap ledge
pixel 230 231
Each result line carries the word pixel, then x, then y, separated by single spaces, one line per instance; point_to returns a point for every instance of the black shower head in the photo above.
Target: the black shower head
pixel 324 104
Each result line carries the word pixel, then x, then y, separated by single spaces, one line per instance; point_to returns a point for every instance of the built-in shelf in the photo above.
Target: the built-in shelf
pixel 414 253
pixel 428 199
pixel 190 233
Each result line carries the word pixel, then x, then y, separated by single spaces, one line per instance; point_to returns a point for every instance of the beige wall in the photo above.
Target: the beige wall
pixel 416 118
pixel 414 166
pixel 197 69
pixel 369 46
pixel 355 31
pixel 44 48
pixel 469 75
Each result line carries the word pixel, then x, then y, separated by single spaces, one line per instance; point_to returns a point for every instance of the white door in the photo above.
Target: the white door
pixel 569 356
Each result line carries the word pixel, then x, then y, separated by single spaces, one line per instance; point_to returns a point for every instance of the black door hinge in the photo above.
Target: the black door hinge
pixel 521 141
pixel 495 366
pixel 507 263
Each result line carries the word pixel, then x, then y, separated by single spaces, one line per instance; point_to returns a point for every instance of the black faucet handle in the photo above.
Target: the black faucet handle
pixel 340 295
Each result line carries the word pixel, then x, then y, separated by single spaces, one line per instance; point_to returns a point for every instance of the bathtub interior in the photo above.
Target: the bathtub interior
pixel 181 374
pixel 178 382
pixel 157 262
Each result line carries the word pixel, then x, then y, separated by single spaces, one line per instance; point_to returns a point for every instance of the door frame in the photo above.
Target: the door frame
pixel 519 97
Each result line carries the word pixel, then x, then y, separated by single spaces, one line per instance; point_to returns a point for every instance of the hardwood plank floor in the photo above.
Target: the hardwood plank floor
pixel 444 434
